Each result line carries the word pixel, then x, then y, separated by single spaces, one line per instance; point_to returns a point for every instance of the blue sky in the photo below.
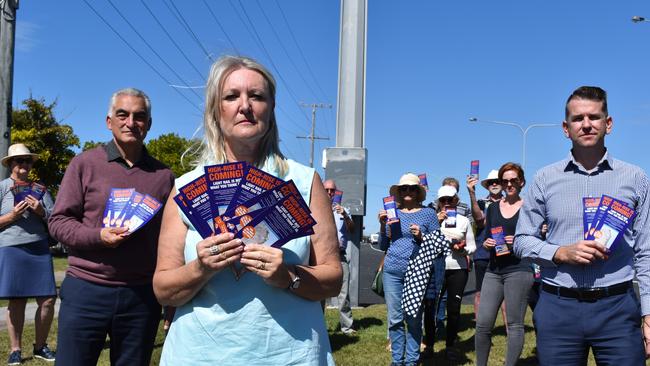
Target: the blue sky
pixel 430 66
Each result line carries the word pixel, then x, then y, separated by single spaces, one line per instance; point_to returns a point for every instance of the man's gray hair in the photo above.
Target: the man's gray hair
pixel 131 92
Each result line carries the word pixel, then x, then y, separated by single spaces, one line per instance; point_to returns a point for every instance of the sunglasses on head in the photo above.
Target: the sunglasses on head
pixel 409 188
pixel 22 160
pixel 513 181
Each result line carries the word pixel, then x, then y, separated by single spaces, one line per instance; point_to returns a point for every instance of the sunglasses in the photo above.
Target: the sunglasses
pixel 410 188
pixel 330 189
pixel 446 199
pixel 513 181
pixel 492 182
pixel 22 160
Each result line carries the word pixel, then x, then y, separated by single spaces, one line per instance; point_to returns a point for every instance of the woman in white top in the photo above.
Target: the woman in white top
pixel 459 230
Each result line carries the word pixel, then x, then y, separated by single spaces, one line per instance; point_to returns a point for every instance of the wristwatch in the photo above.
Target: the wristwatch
pixel 294 284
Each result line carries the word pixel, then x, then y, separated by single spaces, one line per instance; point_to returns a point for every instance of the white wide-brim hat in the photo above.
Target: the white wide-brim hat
pixel 18 150
pixel 409 179
pixel 494 175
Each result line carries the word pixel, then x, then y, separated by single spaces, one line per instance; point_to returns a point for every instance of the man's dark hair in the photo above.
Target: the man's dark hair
pixel 592 93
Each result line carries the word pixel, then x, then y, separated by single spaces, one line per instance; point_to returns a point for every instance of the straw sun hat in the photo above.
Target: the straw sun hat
pixel 494 175
pixel 409 179
pixel 18 150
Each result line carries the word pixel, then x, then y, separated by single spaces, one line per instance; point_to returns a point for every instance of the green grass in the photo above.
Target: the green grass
pixel 367 347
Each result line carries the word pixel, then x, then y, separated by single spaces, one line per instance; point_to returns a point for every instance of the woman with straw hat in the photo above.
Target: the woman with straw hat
pixel 402 240
pixel 26 269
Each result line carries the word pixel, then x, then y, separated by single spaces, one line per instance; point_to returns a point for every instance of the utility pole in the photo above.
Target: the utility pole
pixel 312 137
pixel 7 36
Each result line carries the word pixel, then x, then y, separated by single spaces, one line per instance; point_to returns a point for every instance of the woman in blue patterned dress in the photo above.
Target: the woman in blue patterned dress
pixel 402 242
pixel 269 314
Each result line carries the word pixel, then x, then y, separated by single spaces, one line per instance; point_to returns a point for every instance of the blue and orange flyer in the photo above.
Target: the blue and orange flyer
pixel 450 221
pixel 254 183
pixel 391 210
pixel 337 198
pixel 289 219
pixel 117 201
pixel 194 201
pixel 423 181
pixel 142 213
pixel 240 198
pixel 612 223
pixel 589 209
pixel 223 180
pixel 501 247
pixel 473 169
pixel 21 190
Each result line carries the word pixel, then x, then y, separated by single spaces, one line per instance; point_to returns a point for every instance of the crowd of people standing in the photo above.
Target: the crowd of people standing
pixel 244 304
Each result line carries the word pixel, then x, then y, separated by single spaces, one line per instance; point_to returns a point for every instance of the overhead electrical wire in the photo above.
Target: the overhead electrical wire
pixel 304 59
pixel 221 27
pixel 140 55
pixel 259 42
pixel 201 75
pixel 188 29
pixel 277 36
pixel 152 49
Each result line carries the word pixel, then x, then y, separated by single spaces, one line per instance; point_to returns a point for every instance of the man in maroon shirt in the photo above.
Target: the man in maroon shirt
pixel 107 289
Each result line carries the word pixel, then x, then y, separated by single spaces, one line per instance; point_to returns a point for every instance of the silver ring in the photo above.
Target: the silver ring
pixel 214 249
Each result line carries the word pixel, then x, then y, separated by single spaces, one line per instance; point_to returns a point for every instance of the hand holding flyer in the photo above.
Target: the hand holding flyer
pixel 473 169
pixel 501 248
pixel 127 208
pixel 391 210
pixel 244 200
pixel 610 222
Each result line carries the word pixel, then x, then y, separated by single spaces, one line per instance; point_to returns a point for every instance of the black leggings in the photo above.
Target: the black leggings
pixel 455 281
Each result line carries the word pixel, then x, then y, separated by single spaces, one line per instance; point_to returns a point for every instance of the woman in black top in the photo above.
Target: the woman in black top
pixel 507 276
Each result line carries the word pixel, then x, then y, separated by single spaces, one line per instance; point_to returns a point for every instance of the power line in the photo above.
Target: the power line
pixel 201 75
pixel 258 40
pixel 139 55
pixel 304 59
pixel 152 49
pixel 313 127
pixel 188 29
pixel 221 27
pixel 285 49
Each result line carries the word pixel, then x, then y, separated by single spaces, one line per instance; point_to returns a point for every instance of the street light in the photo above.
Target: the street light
pixel 524 132
pixel 637 19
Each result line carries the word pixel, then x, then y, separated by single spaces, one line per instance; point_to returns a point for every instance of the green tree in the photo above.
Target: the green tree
pixel 35 126
pixel 90 144
pixel 169 149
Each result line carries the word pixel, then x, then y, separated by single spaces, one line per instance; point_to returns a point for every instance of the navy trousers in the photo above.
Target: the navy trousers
pixel 567 328
pixel 89 312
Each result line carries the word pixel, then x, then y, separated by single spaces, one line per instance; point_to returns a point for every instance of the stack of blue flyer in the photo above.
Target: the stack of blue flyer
pixel 22 190
pixel 127 208
pixel 246 201
pixel 606 221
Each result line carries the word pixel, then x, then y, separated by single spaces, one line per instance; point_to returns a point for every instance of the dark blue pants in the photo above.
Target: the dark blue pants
pixel 567 328
pixel 89 312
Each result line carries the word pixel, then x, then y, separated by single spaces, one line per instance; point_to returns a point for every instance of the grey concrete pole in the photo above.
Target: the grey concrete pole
pixel 7 36
pixel 351 107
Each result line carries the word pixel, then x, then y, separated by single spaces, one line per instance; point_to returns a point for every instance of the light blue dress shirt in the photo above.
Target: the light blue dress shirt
pixel 555 197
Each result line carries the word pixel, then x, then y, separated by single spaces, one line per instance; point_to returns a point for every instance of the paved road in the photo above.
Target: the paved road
pixel 369 258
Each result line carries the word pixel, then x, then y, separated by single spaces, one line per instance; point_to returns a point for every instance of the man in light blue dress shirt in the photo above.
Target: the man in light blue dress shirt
pixel 587 299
